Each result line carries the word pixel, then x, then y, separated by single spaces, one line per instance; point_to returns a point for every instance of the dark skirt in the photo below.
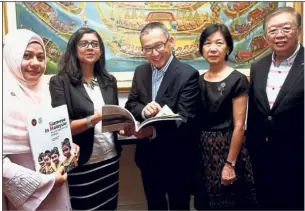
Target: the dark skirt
pixel 95 186
pixel 210 193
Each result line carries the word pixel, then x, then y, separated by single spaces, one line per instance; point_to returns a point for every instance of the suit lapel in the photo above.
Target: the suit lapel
pixel 296 70
pixel 262 83
pixel 80 87
pixel 168 77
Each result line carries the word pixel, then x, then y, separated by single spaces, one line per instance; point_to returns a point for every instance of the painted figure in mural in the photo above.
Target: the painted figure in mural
pixel 225 177
pixel 85 86
pixel 24 92
pixel 166 156
pixel 275 126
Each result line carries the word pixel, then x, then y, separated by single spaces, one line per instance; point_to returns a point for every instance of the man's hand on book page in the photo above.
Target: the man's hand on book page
pixel 60 177
pixel 129 130
pixel 146 132
pixel 151 109
pixel 165 111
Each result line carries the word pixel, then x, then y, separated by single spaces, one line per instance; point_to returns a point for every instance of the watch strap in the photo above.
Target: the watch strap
pixel 230 163
pixel 89 122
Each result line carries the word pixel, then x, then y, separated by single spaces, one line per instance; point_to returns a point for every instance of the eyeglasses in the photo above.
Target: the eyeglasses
pixel 85 44
pixel 287 29
pixel 159 47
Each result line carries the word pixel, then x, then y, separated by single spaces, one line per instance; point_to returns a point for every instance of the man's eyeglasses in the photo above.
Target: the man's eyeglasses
pixel 159 47
pixel 287 29
pixel 85 44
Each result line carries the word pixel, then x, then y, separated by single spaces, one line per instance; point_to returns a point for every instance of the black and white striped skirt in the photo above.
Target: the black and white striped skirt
pixel 95 186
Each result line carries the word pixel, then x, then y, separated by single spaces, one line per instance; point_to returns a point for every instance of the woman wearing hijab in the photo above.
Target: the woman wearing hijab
pixel 25 92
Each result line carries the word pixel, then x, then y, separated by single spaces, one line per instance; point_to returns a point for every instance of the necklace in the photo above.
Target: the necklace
pixel 91 84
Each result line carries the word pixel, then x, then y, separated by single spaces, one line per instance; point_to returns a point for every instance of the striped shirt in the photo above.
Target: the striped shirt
pixel 157 77
pixel 277 75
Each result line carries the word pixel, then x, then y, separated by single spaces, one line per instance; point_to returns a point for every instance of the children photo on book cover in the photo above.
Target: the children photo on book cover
pixel 51 140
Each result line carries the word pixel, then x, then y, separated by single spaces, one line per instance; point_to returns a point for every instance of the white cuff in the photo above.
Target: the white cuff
pixel 142 114
pixel 154 133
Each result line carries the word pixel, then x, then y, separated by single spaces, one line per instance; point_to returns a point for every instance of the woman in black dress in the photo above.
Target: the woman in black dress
pixel 225 179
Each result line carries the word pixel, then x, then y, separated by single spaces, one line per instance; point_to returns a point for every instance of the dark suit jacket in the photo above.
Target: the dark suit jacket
pixel 276 135
pixel 80 106
pixel 179 90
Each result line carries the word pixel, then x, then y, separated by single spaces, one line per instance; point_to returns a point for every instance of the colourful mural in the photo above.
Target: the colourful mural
pixel 119 24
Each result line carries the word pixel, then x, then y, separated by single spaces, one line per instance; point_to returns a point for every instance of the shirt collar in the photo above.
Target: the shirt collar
pixel 164 68
pixel 289 61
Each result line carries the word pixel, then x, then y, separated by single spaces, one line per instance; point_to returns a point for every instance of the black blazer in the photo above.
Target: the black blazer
pixel 277 133
pixel 179 90
pixel 80 106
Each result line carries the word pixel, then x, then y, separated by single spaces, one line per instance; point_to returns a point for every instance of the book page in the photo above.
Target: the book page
pixel 51 140
pixel 114 118
pixel 165 114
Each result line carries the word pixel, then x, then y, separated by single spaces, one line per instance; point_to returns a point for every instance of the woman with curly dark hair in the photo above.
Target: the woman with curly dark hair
pixel 85 86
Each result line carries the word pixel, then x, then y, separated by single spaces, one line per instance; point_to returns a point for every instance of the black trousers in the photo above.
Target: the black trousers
pixel 278 190
pixel 168 173
pixel 279 183
pixel 166 188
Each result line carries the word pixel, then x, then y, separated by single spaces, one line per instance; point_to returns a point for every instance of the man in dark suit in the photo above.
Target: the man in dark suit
pixel 166 157
pixel 275 127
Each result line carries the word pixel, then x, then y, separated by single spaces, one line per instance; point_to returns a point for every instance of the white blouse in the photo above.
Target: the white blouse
pixel 103 146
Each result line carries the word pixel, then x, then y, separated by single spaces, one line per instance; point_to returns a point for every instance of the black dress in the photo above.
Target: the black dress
pixel 216 133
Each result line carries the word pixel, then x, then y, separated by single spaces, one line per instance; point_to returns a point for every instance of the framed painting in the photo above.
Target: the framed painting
pixel 119 24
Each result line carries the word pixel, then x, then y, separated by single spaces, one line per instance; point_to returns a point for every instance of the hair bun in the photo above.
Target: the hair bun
pixel 85 25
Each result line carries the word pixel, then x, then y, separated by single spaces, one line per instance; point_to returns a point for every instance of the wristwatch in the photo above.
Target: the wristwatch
pixel 230 163
pixel 89 122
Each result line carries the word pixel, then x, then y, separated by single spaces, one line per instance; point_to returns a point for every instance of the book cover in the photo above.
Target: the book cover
pixel 51 140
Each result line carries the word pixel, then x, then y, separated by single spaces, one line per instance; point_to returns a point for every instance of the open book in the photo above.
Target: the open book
pixel 51 140
pixel 114 118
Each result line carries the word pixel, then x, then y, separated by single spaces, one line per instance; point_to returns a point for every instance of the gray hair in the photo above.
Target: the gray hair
pixel 281 10
pixel 154 25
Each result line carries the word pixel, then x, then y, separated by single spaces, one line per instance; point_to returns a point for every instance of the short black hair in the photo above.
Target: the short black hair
pixel 66 142
pixel 223 29
pixel 40 157
pixel 55 151
pixel 154 25
pixel 47 153
pixel 69 62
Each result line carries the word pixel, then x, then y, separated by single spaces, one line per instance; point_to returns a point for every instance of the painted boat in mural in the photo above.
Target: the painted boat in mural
pixel 52 50
pixel 240 9
pixel 71 8
pixel 158 5
pixel 255 18
pixel 46 13
pixel 257 46
pixel 133 22
pixel 121 48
